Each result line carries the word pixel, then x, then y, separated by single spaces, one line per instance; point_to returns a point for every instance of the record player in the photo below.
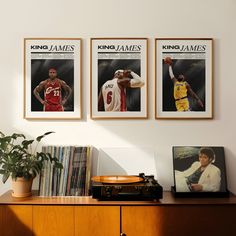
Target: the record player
pixel 126 187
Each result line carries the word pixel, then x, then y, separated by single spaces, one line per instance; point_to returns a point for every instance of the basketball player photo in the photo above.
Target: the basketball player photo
pixel 52 85
pixel 183 78
pixel 119 79
pixel 52 79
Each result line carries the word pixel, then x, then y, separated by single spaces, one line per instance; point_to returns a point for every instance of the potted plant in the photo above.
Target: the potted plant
pixel 22 162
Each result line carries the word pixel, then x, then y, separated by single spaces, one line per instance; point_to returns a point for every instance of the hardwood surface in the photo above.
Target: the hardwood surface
pixel 17 219
pixel 140 220
pixel 53 220
pixel 79 216
pixel 1 216
pixel 97 220
pixel 168 199
pixel 179 220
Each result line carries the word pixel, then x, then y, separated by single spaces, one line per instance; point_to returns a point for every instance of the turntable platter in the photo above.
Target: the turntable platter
pixel 117 179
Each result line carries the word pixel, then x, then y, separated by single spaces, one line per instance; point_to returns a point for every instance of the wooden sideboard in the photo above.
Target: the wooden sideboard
pixel 80 216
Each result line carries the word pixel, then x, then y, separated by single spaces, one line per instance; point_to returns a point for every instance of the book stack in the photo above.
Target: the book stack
pixel 73 179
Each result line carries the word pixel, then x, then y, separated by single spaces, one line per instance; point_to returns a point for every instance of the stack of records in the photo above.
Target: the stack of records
pixel 73 179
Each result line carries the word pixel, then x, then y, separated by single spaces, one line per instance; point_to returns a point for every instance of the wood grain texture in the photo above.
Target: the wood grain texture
pixel 1 216
pixel 80 216
pixel 17 220
pixel 97 220
pixel 178 220
pixel 168 199
pixel 53 220
pixel 140 221
pixel 197 220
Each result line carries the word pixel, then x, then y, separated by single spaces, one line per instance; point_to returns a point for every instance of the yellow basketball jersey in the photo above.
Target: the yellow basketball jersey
pixel 180 90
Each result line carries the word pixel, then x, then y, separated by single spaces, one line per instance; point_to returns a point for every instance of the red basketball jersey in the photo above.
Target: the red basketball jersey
pixel 114 97
pixel 52 92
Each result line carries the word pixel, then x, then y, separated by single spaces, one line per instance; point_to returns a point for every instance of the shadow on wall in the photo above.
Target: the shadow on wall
pixel 230 163
pixel 16 220
pixel 94 164
pixel 126 161
pixel 107 165
pixel 138 134
pixel 4 187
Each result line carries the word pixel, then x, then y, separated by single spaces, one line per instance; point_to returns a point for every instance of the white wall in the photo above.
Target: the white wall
pixel 124 18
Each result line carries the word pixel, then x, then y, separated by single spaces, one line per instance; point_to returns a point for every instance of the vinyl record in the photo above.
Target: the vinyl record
pixel 117 179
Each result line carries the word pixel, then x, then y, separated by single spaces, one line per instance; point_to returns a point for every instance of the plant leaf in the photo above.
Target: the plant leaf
pixel 26 143
pixel 19 160
pixel 58 165
pixel 42 136
pixel 15 136
pixel 5 177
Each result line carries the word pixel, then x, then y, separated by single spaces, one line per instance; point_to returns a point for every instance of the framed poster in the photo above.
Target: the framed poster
pixel 199 170
pixel 118 85
pixel 52 78
pixel 183 78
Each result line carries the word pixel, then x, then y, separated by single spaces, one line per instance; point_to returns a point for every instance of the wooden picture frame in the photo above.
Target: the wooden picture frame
pixel 183 78
pixel 126 97
pixel 52 78
pixel 199 171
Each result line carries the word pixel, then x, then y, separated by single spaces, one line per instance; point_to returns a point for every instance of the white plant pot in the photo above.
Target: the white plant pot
pixel 22 187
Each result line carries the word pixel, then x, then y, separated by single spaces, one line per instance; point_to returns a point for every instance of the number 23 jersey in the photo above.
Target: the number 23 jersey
pixel 114 97
pixel 52 92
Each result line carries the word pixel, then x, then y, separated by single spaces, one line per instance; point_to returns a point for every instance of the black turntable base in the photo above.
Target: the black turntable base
pixel 126 187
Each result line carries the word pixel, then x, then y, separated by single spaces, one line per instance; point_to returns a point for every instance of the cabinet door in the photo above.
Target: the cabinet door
pixel 140 220
pixel 17 220
pixel 53 220
pixel 1 217
pixel 179 220
pixel 198 220
pixel 97 220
